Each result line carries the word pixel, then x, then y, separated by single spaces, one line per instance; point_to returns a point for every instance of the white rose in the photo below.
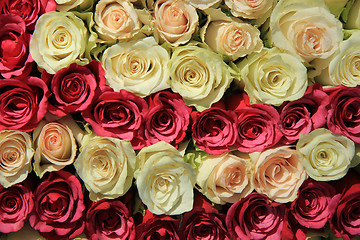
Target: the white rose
pixel 225 178
pixel 353 21
pixel 199 75
pixel 79 5
pixel 16 152
pixel 138 66
pixel 272 77
pixel 326 156
pixel 106 166
pixel 305 28
pixel 165 182
pixel 203 4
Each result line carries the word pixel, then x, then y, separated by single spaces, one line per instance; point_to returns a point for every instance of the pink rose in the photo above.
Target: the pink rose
pixel 15 59
pixel 118 114
pixel 23 103
pixel 255 217
pixel 16 202
pixel 59 206
pixel 168 118
pixel 73 88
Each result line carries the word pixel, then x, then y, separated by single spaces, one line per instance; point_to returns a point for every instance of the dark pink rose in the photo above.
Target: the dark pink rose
pixel 109 219
pixel 16 202
pixel 28 10
pixel 59 211
pixel 203 222
pixel 118 114
pixel 159 227
pixel 303 115
pixel 73 88
pixel 214 130
pixel 23 103
pixel 255 217
pixel 15 58
pixel 168 118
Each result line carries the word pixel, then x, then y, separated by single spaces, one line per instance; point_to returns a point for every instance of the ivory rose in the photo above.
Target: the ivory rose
pixel 326 156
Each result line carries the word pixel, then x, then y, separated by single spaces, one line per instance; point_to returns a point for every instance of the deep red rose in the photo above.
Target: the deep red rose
pixel 118 114
pixel 15 58
pixel 109 219
pixel 214 130
pixel 160 227
pixel 303 115
pixel 168 118
pixel 73 88
pixel 16 202
pixel 28 10
pixel 23 103
pixel 255 217
pixel 59 210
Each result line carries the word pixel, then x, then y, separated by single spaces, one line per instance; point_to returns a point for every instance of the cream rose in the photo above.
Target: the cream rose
pixel 138 66
pixel 78 5
pixel 278 173
pixel 272 77
pixel 106 166
pixel 326 156
pixel 305 28
pixel 175 21
pixel 59 39
pixel 353 21
pixel 199 75
pixel 203 4
pixel 16 152
pixel 225 178
pixel 164 180
pixel 116 20
pixel 55 145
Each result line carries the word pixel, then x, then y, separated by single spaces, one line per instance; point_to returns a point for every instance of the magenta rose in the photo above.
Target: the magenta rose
pixel 59 210
pixel 118 114
pixel 303 115
pixel 28 10
pixel 73 88
pixel 16 203
pixel 255 217
pixel 15 58
pixel 214 130
pixel 160 227
pixel 109 219
pixel 23 103
pixel 168 118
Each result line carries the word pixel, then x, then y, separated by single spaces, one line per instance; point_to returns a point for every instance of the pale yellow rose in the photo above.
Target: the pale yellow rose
pixel 175 21
pixel 305 28
pixel 278 173
pixel 106 166
pixel 326 156
pixel 78 5
pixel 353 21
pixel 199 75
pixel 138 66
pixel 225 178
pixel 203 4
pixel 272 77
pixel 16 152
pixel 164 180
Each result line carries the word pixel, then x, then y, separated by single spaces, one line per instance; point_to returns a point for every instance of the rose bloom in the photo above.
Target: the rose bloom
pixel 55 145
pixel 109 219
pixel 272 77
pixel 326 156
pixel 278 173
pixel 78 5
pixel 59 209
pixel 255 217
pixel 106 166
pixel 203 4
pixel 175 21
pixel 138 66
pixel 199 75
pixel 116 20
pixel 225 178
pixel 165 182
pixel 16 203
pixel 73 88
pixel 305 28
